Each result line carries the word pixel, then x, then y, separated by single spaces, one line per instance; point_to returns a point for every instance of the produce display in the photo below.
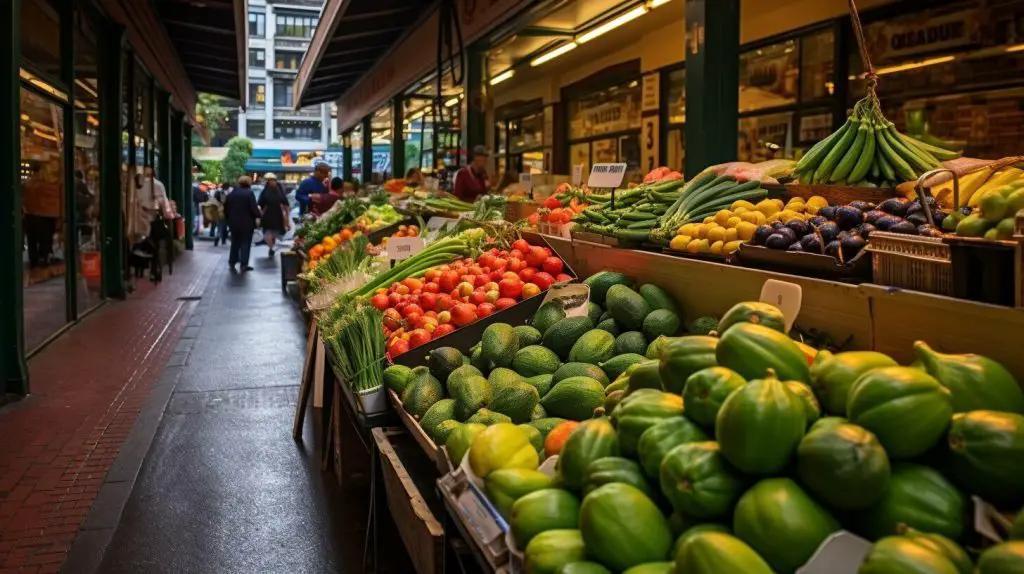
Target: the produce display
pixel 562 207
pixel 346 220
pixel 731 448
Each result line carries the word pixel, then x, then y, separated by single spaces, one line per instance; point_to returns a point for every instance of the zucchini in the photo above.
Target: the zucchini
pixel 648 224
pixel 638 216
pixel 632 234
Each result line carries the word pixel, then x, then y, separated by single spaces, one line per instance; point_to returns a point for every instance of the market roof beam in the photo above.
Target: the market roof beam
pixel 366 34
pixel 201 27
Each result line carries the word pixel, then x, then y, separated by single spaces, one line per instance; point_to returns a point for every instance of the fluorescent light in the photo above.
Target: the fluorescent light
pixel 612 24
pixel 452 102
pixel 914 65
pixel 656 3
pixel 416 116
pixel 1015 48
pixel 507 74
pixel 548 56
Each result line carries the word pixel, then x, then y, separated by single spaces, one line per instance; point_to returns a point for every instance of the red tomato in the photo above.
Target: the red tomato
pixel 511 288
pixel 475 270
pixel 481 280
pixel 403 290
pixel 394 299
pixel 392 320
pixel 448 280
pixel 418 337
pixel 400 306
pixel 516 265
pixel 379 301
pixel 529 290
pixel 484 309
pixel 487 259
pixel 504 303
pixel 432 314
pixel 444 302
pixel 428 301
pixel 543 280
pixel 510 275
pixel 535 256
pixel 412 283
pixel 431 275
pixel 463 314
pixel 533 218
pixel 397 347
pixel 552 202
pixel 526 274
pixel 431 288
pixel 563 278
pixel 499 263
pixel 521 245
pixel 479 296
pixel 442 330
pixel 410 309
pixel 413 320
pixel 495 275
pixel 553 265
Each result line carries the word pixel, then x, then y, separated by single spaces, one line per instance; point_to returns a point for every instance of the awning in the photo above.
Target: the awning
pixel 350 39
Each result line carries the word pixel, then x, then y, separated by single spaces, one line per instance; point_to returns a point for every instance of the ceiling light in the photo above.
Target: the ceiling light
pixel 507 74
pixel 656 3
pixel 416 116
pixel 612 24
pixel 452 102
pixel 1015 48
pixel 914 65
pixel 548 56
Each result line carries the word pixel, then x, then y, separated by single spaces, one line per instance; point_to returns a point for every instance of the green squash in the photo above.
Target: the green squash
pixel 660 439
pixel 782 523
pixel 615 469
pixel 939 543
pixel 698 482
pixel 645 375
pixel 918 497
pixel 1017 530
pixel 591 440
pixel 901 555
pixel 843 465
pixel 986 456
pixel 640 411
pixel 753 312
pixel 549 551
pixel 752 350
pixel 460 439
pixel 583 568
pixel 812 410
pixel 760 425
pixel 623 528
pixel 712 552
pixel 692 531
pixel 827 422
pixel 976 382
pixel 504 487
pixel 684 356
pixel 1005 558
pixel 833 375
pixel 543 510
pixel 706 390
pixel 907 409
pixel 652 568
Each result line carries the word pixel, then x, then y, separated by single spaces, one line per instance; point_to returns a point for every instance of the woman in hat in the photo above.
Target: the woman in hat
pixel 471 181
pixel 275 210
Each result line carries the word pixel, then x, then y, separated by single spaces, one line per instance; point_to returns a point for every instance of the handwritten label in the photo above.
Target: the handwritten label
pixel 577 174
pixel 784 295
pixel 400 248
pixel 607 175
pixel 573 297
pixel 526 182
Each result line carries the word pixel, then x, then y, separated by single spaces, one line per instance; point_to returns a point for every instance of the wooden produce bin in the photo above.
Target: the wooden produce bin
pixel 420 531
pixel 433 450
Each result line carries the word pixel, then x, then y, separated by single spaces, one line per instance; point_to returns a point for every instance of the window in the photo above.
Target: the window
pixel 283 94
pixel 768 76
pixel 257 24
pixel 255 129
pixel 615 109
pixel 257 58
pixel 296 26
pixel 288 60
pixel 257 94
pixel 297 130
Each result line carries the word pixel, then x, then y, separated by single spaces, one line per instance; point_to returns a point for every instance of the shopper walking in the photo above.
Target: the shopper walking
pixel 471 181
pixel 312 187
pixel 41 202
pixel 242 214
pixel 275 210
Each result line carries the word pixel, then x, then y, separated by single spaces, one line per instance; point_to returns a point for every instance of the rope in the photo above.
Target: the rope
pixel 869 71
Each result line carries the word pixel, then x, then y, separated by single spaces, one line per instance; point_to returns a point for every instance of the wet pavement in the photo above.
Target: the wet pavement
pixel 224 488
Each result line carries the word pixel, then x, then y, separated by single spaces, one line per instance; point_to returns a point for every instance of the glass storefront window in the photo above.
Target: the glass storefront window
pixel 357 154
pixel 579 154
pixel 676 152
pixel 526 133
pixel 768 76
pixel 765 137
pixel 40 38
pixel 87 170
pixel 42 199
pixel 677 96
pixel 817 66
pixel 616 109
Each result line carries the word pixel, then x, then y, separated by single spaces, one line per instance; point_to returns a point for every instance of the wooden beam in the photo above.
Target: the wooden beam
pixel 380 13
pixel 202 27
pixel 367 34
pixel 330 17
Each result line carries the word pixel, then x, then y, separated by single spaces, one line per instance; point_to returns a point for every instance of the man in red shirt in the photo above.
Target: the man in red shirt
pixel 471 181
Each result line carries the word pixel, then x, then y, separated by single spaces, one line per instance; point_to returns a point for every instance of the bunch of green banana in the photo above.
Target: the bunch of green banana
pixel 868 151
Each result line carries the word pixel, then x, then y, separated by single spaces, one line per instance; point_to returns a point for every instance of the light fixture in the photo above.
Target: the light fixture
pixel 416 116
pixel 914 65
pixel 45 136
pixel 506 75
pixel 613 24
pixel 656 3
pixel 452 102
pixel 551 55
pixel 1015 48
pixel 24 117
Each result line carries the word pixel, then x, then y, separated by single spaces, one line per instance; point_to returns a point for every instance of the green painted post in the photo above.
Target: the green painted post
pixel 712 82
pixel 163 141
pixel 177 183
pixel 111 75
pixel 397 138
pixel 346 155
pixel 13 368
pixel 189 216
pixel 66 13
pixel 367 159
pixel 476 99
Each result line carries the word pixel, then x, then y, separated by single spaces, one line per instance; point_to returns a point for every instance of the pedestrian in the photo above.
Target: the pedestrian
pixel 471 181
pixel 414 178
pixel 200 195
pixel 312 187
pixel 43 209
pixel 326 201
pixel 276 211
pixel 242 213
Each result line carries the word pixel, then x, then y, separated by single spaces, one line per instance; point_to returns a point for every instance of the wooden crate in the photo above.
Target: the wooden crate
pixel 432 449
pixel 911 262
pixel 519 210
pixel 420 531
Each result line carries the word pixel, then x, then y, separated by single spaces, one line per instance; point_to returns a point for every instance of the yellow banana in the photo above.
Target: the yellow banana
pixel 1001 178
pixel 972 182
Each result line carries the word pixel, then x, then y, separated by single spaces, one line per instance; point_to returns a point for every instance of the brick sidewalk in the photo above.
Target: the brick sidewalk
pixel 88 387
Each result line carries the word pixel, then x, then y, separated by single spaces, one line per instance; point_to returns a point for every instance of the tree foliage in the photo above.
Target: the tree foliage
pixel 233 165
pixel 211 170
pixel 210 112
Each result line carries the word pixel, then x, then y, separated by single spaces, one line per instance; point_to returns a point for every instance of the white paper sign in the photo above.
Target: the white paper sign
pixel 526 182
pixel 840 553
pixel 435 223
pixel 786 296
pixel 479 518
pixel 400 248
pixel 607 175
pixel 984 517
pixel 577 174
pixel 572 296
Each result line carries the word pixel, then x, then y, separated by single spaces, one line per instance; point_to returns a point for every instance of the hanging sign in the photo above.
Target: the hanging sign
pixel 577 174
pixel 905 37
pixel 608 175
pixel 650 98
pixel 526 182
pixel 400 248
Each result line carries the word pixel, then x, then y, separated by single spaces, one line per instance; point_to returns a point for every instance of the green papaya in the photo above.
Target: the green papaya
pixel 843 465
pixel 505 486
pixel 660 439
pixel 827 422
pixel 698 482
pixel 550 550
pixel 583 568
pixel 760 425
pixel 1005 558
pixel 623 528
pixel 684 356
pixel 1017 530
pixel 711 552
pixel 591 440
pixel 639 411
pixel 615 469
pixel 645 375
pixel 975 382
pixel 542 510
pixel 692 531
pixel 812 410
pixel 752 350
pixel 706 390
pixel 652 568
pixel 902 555
pixel 939 543
pixel 986 456
pixel 918 497
pixel 753 312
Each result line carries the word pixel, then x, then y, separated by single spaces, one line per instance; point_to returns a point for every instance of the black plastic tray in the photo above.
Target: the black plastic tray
pixel 857 270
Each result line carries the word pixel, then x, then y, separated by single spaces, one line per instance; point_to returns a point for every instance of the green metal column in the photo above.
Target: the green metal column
pixel 13 369
pixel 476 99
pixel 177 182
pixel 66 13
pixel 712 82
pixel 367 167
pixel 346 155
pixel 111 76
pixel 397 138
pixel 161 107
pixel 187 147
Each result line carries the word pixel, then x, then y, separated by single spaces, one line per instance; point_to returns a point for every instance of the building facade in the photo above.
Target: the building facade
pixel 285 140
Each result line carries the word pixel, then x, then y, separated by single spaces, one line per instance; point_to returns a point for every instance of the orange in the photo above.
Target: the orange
pixel 556 438
pixel 345 235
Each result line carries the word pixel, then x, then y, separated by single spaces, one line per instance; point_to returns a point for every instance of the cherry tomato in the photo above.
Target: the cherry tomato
pixel 442 330
pixel 553 265
pixel 535 256
pixel 397 347
pixel 379 301
pixel 504 303
pixel 477 297
pixel 418 337
pixel 463 314
pixel 521 245
pixel 511 288
pixel 526 274
pixel 412 308
pixel 448 280
pixel 484 309
pixel 563 278
pixel 428 301
pixel 431 288
pixel 529 290
pixel 543 280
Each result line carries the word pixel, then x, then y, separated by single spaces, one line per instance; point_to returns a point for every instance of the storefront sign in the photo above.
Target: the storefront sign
pixel 650 99
pixel 400 248
pixel 577 174
pixel 897 39
pixel 607 175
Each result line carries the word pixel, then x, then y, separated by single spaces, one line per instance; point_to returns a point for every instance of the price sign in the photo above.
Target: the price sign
pixel 985 518
pixel 435 223
pixel 526 182
pixel 573 297
pixel 479 518
pixel 577 174
pixel 608 175
pixel 840 553
pixel 400 248
pixel 786 296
